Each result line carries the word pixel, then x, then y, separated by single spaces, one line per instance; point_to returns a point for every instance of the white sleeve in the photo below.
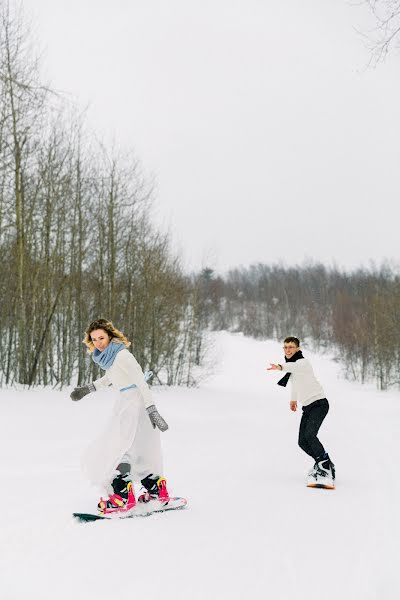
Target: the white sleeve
pixel 299 367
pixel 295 392
pixel 134 374
pixel 102 382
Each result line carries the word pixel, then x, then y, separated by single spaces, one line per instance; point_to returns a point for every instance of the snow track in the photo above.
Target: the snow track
pixel 267 535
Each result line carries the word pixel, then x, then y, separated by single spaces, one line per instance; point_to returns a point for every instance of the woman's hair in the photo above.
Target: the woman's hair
pixel 114 333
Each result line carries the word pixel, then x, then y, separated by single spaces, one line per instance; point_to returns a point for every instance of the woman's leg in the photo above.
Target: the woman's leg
pixel 144 455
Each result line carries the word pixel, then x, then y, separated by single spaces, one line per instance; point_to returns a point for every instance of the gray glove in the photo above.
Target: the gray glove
pixel 156 419
pixel 79 392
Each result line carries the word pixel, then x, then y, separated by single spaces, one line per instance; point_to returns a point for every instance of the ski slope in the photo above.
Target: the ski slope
pixel 251 530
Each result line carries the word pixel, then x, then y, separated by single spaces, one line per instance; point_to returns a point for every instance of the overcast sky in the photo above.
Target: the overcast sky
pixel 268 138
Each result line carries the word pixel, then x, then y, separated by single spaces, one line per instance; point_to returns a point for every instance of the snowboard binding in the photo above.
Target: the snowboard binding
pixel 153 489
pixel 118 502
pixel 322 475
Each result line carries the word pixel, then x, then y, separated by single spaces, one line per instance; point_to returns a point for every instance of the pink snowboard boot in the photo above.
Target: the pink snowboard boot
pixel 122 502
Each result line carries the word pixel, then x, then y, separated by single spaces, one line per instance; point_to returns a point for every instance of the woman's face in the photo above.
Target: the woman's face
pixel 100 339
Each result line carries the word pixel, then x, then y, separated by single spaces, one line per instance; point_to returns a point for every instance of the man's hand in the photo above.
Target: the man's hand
pixel 274 367
pixel 293 405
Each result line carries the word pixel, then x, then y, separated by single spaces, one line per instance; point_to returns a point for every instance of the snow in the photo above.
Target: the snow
pixel 252 528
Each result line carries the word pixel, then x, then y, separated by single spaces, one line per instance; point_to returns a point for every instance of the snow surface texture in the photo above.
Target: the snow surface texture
pixel 252 528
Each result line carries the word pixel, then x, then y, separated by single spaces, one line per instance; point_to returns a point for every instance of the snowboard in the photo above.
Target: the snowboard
pixel 140 510
pixel 325 483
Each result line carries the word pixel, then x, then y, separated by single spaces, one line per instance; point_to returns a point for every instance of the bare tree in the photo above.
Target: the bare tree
pixel 385 35
pixel 353 314
pixel 76 239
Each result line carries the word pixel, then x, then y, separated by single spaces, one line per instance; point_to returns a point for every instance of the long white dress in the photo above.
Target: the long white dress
pixel 129 435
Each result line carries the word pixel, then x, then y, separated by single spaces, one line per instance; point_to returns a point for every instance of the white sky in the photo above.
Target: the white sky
pixel 268 138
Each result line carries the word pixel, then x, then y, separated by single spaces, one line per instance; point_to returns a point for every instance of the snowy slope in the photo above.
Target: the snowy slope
pixel 252 528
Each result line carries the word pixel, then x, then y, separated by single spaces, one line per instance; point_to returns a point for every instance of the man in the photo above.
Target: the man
pixel 307 391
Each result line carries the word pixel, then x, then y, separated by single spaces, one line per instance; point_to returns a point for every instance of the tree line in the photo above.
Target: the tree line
pixel 77 240
pixel 354 314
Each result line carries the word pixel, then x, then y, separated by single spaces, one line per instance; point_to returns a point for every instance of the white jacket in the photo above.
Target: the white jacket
pixel 305 386
pixel 124 372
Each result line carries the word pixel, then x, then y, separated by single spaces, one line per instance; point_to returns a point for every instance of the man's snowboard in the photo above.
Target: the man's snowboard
pixel 140 510
pixel 316 481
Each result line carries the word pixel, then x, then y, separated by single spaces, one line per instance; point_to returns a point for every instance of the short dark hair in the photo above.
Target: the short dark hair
pixel 289 339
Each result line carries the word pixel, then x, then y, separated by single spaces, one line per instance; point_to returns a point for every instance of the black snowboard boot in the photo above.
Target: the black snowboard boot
pixel 120 486
pixel 123 493
pixel 326 466
pixel 155 488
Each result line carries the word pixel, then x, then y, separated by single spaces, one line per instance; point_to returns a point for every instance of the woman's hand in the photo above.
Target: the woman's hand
pixel 293 405
pixel 156 419
pixel 79 392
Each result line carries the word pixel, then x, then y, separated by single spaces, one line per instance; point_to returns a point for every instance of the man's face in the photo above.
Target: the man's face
pixel 290 348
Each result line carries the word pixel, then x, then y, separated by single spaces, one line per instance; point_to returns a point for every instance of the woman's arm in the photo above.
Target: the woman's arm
pixel 80 392
pixel 136 376
pixel 102 382
pixel 131 373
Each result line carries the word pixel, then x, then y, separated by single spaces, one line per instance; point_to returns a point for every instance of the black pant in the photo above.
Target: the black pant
pixel 311 421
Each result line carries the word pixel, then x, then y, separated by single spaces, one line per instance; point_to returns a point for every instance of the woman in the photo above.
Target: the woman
pixel 130 447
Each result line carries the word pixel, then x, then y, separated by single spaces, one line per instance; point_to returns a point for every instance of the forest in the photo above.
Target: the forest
pixel 78 242
pixel 353 314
